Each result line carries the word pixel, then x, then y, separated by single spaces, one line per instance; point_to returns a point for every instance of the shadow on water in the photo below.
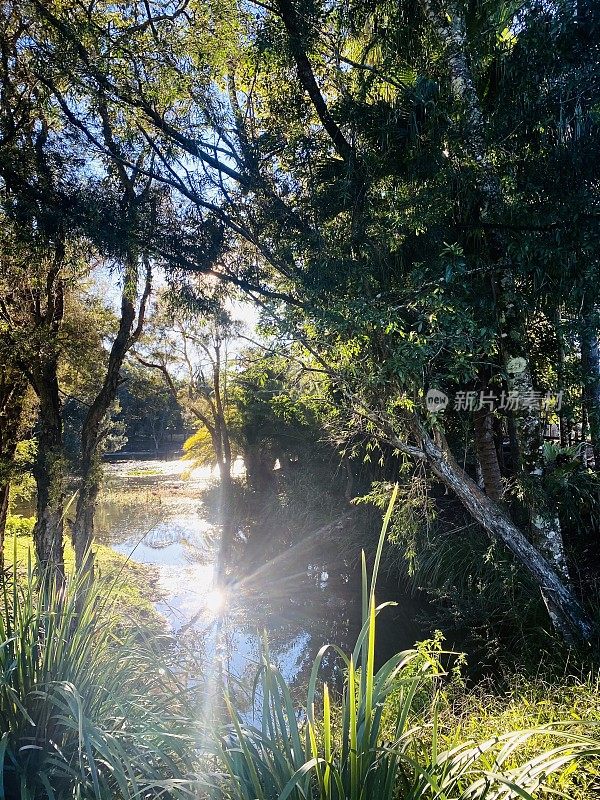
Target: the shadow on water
pixel 300 589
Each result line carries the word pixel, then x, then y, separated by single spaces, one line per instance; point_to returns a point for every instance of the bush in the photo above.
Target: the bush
pixel 383 739
pixel 16 525
pixel 85 712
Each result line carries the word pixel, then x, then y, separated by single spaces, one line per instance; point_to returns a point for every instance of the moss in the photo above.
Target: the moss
pixel 132 586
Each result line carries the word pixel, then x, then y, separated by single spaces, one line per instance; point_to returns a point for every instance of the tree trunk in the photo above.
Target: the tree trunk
pixel 447 17
pixel 222 445
pixel 82 533
pixel 227 524
pixel 487 454
pixel 567 614
pixel 560 352
pixel 12 392
pixel 91 436
pixel 4 497
pixel 48 472
pixel 590 367
pixel 545 525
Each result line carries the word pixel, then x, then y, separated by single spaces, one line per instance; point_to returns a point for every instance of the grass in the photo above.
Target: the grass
pixel 480 712
pixel 531 702
pixel 139 472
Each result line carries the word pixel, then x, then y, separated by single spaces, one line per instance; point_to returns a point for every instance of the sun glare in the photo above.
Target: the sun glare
pixel 215 602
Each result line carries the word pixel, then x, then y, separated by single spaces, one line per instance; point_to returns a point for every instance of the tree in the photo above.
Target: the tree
pixel 33 297
pixel 389 173
pixel 192 354
pixel 148 411
pixel 276 400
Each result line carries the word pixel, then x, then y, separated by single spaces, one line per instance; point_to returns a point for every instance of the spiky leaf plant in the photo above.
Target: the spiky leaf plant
pixel 88 709
pixel 343 753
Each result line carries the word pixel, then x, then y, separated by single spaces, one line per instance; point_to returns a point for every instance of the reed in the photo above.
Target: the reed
pixel 88 709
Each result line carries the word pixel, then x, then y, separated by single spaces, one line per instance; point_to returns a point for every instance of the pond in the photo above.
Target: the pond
pixel 302 593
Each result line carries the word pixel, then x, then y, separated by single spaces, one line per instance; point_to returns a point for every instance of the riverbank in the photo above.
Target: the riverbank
pixel 446 713
pixel 132 587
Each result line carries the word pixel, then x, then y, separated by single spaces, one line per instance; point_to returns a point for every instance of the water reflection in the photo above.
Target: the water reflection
pixel 300 591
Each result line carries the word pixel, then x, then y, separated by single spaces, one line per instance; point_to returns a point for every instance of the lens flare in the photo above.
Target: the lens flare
pixel 215 602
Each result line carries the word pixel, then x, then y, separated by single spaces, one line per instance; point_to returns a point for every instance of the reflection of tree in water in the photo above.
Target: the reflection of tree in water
pixel 302 584
pixel 289 573
pixel 160 509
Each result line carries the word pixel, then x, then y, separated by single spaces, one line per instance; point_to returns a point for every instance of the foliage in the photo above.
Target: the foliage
pixel 85 711
pixel 408 191
pixel 22 486
pixel 147 410
pixel 529 702
pixel 17 525
pixel 384 740
pixel 199 447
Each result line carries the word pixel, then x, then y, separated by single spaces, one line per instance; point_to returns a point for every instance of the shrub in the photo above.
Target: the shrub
pixel 87 710
pixel 347 753
pixel 16 525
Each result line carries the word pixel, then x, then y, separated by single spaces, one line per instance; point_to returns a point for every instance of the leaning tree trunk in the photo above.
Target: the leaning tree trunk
pixel 48 473
pixel 12 391
pixel 570 620
pixel 92 432
pixel 567 614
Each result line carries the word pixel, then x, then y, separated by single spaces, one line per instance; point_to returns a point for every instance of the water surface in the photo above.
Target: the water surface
pixel 300 590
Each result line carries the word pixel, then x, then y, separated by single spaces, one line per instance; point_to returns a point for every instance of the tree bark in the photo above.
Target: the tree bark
pixel 487 454
pixel 545 524
pixel 91 436
pixel 590 367
pixel 12 392
pixel 560 358
pixel 571 621
pixel 223 443
pixel 48 473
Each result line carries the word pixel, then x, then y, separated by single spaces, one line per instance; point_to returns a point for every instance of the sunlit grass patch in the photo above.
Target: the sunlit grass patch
pixel 139 472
